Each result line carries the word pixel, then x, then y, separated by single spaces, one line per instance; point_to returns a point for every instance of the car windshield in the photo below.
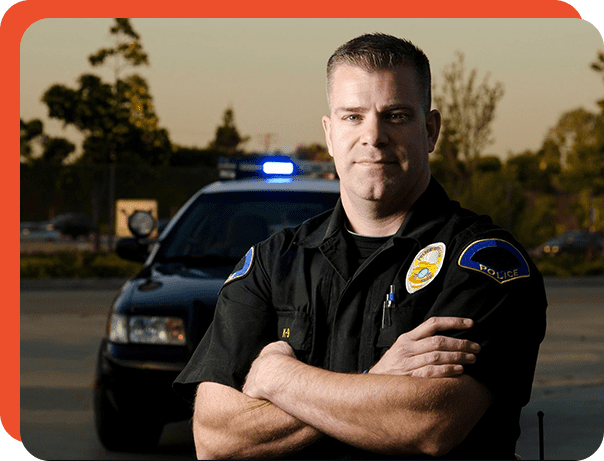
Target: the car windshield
pixel 219 228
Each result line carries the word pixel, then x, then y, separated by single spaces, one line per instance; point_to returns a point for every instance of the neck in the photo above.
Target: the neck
pixel 370 224
pixel 376 218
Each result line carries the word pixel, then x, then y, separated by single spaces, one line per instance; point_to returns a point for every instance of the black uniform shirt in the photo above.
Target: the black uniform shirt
pixel 302 287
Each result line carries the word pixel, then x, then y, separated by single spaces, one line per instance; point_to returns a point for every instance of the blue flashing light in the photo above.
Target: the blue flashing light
pixel 278 168
pixel 279 180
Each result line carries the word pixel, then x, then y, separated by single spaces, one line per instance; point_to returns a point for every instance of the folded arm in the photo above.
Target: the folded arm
pixel 388 410
pixel 230 424
pixel 380 413
pixel 396 408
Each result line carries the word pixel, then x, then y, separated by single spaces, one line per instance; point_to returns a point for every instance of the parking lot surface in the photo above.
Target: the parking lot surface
pixel 62 323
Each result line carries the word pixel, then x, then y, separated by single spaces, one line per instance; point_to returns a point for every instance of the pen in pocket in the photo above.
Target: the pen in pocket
pixel 389 304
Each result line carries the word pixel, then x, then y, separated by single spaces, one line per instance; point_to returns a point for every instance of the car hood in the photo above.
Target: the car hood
pixel 170 284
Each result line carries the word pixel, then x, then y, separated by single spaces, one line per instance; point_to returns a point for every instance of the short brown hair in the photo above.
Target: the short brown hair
pixel 381 52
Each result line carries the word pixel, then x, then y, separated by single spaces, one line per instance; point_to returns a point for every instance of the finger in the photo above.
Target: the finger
pixel 436 324
pixel 410 347
pixel 441 358
pixel 442 343
pixel 438 371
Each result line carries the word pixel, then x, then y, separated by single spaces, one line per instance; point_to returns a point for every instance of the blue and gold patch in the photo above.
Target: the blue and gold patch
pixel 243 267
pixel 495 258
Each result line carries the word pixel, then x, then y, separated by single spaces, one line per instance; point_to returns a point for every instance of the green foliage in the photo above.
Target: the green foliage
pixel 127 52
pixel 315 152
pixel 468 110
pixel 29 131
pixel 598 66
pixel 536 222
pixel 76 265
pixel 589 212
pixel 193 157
pixel 118 120
pixel 579 136
pixel 497 192
pixel 54 150
pixel 489 164
pixel 493 194
pixel 570 266
pixel 535 171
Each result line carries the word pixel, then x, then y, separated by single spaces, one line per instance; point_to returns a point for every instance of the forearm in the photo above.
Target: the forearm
pixel 380 413
pixel 229 424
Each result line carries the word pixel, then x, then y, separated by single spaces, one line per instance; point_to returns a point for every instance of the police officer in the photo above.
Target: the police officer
pixel 397 325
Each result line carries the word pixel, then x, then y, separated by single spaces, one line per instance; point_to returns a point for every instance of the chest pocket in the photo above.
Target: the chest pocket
pixel 295 328
pixel 402 320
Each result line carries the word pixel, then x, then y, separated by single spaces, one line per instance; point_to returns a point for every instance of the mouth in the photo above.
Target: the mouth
pixel 377 162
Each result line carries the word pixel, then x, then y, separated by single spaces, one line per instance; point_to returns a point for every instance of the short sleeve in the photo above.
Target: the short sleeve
pixel 243 324
pixel 509 319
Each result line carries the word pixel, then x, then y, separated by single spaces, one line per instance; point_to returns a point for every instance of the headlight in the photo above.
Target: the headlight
pixel 146 330
pixel 157 330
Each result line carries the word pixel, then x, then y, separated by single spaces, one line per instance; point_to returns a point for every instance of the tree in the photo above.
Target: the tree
pixel 194 157
pixel 468 109
pixel 30 131
pixel 54 150
pixel 579 137
pixel 228 139
pixel 117 119
pixel 535 171
pixel 315 152
pixel 536 221
pixel 127 51
pixel 598 66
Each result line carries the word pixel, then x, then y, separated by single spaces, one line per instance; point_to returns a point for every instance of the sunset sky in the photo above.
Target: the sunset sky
pixel 271 71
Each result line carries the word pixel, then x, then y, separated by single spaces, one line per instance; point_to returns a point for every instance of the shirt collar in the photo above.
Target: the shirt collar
pixel 430 211
pixel 428 214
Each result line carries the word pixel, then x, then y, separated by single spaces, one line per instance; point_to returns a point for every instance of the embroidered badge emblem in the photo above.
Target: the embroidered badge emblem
pixel 243 266
pixel 495 258
pixel 425 266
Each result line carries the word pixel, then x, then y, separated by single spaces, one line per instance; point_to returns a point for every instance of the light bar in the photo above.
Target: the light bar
pixel 281 168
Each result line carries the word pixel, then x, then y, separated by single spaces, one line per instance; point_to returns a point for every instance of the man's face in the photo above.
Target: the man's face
pixel 379 135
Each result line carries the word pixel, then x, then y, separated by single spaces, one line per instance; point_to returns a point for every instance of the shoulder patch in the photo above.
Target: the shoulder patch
pixel 495 258
pixel 243 267
pixel 425 266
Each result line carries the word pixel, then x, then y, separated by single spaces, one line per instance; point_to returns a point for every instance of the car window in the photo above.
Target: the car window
pixel 222 227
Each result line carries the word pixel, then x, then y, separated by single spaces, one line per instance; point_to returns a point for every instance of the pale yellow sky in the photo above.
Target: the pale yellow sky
pixel 271 71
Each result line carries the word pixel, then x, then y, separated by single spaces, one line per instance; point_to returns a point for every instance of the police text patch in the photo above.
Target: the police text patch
pixel 243 267
pixel 495 258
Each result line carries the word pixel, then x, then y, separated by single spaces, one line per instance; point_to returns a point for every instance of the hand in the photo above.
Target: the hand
pixel 265 368
pixel 422 354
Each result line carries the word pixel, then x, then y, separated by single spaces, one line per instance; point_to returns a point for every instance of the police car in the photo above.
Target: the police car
pixel 159 316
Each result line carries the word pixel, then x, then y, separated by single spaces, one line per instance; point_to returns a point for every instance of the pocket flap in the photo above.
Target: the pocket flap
pixel 295 328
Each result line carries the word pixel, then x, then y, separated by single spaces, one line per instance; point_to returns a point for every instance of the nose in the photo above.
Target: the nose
pixel 374 133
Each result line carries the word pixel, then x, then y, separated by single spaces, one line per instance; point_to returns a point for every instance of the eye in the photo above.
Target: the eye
pixel 398 117
pixel 352 117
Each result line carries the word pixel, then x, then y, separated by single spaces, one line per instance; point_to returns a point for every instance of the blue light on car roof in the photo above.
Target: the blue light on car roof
pixel 278 168
pixel 279 180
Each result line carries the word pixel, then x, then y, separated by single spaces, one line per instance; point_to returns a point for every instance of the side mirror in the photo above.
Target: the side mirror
pixel 132 249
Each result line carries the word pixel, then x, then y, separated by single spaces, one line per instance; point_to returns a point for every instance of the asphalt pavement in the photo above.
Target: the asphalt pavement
pixel 568 388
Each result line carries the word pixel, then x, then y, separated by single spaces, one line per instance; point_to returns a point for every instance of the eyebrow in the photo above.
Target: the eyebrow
pixel 389 108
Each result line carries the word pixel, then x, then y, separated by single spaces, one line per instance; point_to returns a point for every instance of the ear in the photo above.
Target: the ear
pixel 433 121
pixel 327 128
